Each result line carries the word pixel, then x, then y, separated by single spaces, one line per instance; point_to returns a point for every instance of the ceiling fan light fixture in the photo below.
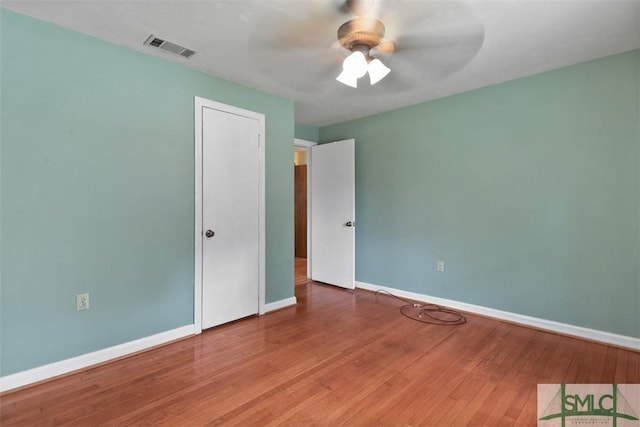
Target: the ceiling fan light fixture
pixel 377 71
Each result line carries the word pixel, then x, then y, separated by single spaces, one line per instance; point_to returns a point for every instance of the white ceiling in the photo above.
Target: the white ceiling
pixel 287 47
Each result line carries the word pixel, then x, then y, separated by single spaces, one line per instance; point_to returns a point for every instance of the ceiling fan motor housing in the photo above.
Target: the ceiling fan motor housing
pixel 361 31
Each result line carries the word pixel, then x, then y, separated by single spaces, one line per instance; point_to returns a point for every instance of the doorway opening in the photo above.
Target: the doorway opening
pixel 302 219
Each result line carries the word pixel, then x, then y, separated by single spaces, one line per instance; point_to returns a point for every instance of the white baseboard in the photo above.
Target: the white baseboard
pixel 277 305
pixel 51 370
pixel 549 325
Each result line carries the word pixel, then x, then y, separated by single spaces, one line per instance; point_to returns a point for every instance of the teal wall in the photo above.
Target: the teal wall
pixel 97 191
pixel 310 133
pixel 528 190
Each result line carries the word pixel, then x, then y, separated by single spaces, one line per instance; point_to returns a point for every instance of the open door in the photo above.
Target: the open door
pixel 333 213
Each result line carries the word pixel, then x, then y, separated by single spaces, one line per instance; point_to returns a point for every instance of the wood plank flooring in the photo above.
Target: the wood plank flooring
pixel 337 358
pixel 300 275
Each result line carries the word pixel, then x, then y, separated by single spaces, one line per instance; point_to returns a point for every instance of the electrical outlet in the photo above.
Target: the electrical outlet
pixel 82 302
pixel 440 266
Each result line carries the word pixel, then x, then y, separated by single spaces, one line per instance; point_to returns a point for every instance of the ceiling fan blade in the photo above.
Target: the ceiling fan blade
pixel 453 35
pixel 307 24
pixel 313 34
pixel 432 64
pixel 297 24
pixel 435 19
pixel 385 49
pixel 438 58
pixel 409 71
pixel 321 68
pixel 360 7
pixel 434 40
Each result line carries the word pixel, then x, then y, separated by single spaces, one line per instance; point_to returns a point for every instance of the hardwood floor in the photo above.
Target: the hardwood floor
pixel 300 271
pixel 337 358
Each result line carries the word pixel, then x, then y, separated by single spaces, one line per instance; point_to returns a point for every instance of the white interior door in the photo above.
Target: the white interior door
pixel 333 213
pixel 230 216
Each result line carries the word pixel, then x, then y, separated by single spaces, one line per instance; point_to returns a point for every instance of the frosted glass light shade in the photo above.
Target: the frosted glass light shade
pixel 377 71
pixel 353 67
pixel 347 78
pixel 356 64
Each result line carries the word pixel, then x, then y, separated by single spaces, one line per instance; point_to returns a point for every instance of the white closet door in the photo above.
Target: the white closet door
pixel 230 217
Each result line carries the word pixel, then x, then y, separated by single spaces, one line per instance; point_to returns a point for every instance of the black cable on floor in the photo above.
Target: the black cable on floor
pixel 428 313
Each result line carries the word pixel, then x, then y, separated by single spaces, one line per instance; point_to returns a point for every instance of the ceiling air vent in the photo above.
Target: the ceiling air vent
pixel 168 46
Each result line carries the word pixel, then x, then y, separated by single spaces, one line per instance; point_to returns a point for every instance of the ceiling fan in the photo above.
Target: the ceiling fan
pixel 362 35
pixel 399 43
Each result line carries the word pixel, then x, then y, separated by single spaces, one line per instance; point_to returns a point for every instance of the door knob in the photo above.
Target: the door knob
pixel 209 233
pixel 350 224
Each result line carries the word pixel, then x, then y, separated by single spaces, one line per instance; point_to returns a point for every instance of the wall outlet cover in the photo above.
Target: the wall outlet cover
pixel 82 302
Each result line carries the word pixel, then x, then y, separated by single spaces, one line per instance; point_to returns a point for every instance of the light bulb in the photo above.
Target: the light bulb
pixel 377 71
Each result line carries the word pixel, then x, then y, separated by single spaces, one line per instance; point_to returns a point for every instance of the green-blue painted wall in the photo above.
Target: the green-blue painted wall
pixel 528 190
pixel 310 133
pixel 97 191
